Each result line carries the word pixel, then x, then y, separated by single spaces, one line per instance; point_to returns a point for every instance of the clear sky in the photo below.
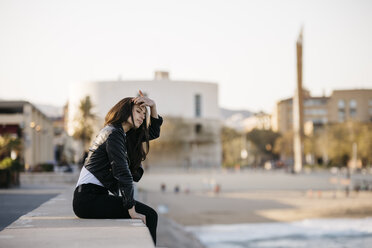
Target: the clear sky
pixel 247 47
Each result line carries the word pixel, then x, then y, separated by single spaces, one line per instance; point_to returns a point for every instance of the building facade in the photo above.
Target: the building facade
pixel 346 105
pixel 23 120
pixel 191 131
pixel 341 106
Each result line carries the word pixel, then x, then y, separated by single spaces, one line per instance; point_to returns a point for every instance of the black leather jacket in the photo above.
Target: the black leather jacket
pixel 108 160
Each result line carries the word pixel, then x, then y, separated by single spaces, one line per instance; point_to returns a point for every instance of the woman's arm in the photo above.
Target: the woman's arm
pixel 154 112
pixel 117 154
pixel 154 128
pixel 156 120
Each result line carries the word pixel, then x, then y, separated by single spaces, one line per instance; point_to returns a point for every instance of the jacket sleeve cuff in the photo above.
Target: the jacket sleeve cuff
pixel 127 196
pixel 129 205
pixel 157 121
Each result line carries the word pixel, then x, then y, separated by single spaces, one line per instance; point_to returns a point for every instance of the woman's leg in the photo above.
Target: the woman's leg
pixel 151 218
pixel 105 206
pixel 99 206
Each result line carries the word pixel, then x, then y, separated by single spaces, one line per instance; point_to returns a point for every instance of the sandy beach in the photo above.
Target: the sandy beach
pixel 249 207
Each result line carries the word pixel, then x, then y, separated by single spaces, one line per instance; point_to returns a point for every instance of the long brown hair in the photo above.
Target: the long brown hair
pixel 135 136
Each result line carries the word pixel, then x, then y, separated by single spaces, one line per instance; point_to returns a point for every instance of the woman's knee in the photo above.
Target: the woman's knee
pixel 152 215
pixel 155 215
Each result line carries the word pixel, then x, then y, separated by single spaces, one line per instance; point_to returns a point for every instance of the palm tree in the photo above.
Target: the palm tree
pixel 9 144
pixel 85 119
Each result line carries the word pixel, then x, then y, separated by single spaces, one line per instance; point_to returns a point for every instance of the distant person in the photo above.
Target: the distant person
pixel 176 189
pixel 114 162
pixel 163 187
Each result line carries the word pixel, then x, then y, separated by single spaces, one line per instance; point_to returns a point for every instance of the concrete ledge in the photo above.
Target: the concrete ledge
pixel 54 224
pixel 48 178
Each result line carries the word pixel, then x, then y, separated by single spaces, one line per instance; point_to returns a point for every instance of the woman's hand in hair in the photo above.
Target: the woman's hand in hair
pixel 134 215
pixel 143 101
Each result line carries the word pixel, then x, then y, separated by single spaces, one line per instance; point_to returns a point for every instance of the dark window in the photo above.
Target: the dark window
pixel 11 110
pixel 198 128
pixel 341 110
pixel 198 105
pixel 341 115
pixel 352 108
pixel 353 113
pixel 341 104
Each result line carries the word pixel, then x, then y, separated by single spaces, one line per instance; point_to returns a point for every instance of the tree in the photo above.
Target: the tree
pixel 284 145
pixel 231 146
pixel 335 142
pixel 9 144
pixel 263 142
pixel 85 120
pixel 332 144
pixel 365 144
pixel 174 135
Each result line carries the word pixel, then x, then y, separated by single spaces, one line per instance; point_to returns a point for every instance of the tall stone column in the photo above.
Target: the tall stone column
pixel 298 124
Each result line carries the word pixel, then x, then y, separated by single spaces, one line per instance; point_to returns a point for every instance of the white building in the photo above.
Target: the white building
pixel 23 120
pixel 191 130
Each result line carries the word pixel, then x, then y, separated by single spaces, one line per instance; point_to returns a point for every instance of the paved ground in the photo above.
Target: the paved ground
pixel 16 202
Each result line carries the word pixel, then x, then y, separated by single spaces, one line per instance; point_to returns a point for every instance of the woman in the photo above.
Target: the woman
pixel 114 162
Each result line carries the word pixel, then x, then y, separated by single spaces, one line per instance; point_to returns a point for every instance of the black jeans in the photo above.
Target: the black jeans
pixel 94 202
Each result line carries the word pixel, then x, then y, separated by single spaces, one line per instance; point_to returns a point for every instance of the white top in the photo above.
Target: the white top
pixel 87 177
